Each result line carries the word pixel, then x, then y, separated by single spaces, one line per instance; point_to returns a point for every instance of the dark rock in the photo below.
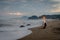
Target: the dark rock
pixel 28 24
pixel 22 26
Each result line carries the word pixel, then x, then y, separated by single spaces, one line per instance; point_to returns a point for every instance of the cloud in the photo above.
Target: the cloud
pixel 16 13
pixel 29 6
pixel 14 0
pixel 56 0
pixel 23 0
pixel 55 5
pixel 56 9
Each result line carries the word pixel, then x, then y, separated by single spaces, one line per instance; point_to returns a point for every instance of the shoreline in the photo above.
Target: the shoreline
pixel 50 33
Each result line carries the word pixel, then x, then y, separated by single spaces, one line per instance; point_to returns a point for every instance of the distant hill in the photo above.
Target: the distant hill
pixel 47 16
pixel 51 16
pixel 33 17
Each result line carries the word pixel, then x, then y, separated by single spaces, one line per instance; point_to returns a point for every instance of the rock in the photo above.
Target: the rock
pixel 22 26
pixel 28 24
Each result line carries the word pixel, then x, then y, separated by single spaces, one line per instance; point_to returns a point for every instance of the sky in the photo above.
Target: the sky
pixel 29 7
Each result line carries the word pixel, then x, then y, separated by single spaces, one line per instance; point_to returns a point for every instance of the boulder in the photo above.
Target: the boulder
pixel 28 24
pixel 22 26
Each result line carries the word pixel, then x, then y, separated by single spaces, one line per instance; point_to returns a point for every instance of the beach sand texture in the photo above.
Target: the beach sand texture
pixel 51 32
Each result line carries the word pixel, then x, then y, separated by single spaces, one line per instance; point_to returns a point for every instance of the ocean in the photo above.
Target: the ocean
pixel 10 27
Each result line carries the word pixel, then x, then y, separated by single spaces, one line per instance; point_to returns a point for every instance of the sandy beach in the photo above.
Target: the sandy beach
pixel 51 32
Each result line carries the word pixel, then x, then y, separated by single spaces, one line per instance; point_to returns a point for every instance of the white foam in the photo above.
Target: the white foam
pixel 14 35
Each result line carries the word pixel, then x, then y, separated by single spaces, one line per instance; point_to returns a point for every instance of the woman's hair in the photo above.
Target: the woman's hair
pixel 43 16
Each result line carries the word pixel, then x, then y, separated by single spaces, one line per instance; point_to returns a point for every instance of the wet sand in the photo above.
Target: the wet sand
pixel 51 32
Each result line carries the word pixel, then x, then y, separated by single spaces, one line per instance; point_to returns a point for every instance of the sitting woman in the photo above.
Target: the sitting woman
pixel 44 22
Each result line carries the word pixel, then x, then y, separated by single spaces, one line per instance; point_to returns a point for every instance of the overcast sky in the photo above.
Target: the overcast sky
pixel 29 7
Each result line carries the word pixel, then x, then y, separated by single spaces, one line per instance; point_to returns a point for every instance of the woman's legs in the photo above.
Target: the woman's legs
pixel 44 25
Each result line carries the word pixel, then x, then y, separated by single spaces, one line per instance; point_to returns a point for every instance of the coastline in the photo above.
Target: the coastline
pixel 50 33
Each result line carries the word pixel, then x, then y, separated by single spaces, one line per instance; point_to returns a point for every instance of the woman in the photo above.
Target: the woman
pixel 44 21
